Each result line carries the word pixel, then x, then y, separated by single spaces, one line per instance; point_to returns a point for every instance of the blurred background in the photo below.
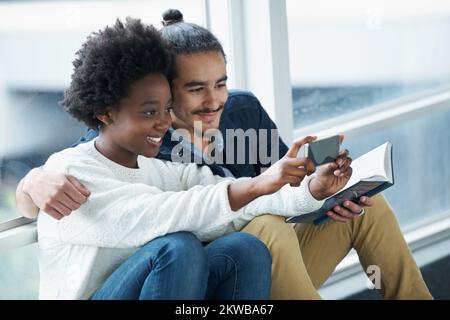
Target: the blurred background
pixel 349 61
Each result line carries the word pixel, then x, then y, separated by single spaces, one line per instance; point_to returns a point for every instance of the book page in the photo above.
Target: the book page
pixel 372 173
pixel 371 164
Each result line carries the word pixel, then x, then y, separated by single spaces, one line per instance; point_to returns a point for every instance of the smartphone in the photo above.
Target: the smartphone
pixel 323 151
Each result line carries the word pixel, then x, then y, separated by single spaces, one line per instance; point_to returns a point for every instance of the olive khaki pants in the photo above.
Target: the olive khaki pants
pixel 305 255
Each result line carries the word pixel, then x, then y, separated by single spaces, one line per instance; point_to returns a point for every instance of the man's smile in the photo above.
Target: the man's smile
pixel 208 115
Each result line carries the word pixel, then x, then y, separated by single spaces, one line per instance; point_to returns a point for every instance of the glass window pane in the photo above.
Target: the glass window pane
pixel 19 273
pixel 38 41
pixel 421 170
pixel 352 54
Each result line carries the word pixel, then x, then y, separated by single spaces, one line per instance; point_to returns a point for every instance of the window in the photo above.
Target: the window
pixel 351 60
pixel 38 41
pixel 351 54
pixel 19 273
pixel 37 44
pixel 420 153
pixel 348 60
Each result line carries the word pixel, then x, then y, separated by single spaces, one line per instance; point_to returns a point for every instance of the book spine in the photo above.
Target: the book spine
pixel 321 220
pixel 369 194
pixel 376 190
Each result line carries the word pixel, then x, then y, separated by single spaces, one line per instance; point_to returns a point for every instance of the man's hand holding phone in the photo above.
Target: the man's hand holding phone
pixel 324 150
pixel 332 175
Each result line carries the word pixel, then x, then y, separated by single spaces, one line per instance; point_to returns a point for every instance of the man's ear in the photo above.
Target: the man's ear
pixel 106 118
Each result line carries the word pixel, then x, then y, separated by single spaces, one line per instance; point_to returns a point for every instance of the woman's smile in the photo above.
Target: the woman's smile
pixel 154 140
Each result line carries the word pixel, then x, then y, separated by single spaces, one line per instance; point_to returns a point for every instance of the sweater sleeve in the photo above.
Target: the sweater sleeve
pixel 288 201
pixel 121 215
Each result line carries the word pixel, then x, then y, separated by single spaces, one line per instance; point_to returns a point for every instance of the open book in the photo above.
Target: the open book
pixel 372 173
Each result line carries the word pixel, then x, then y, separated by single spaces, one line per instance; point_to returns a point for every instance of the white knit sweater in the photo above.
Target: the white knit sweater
pixel 129 207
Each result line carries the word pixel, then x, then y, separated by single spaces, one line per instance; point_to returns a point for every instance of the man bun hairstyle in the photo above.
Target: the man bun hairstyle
pixel 109 61
pixel 171 16
pixel 187 38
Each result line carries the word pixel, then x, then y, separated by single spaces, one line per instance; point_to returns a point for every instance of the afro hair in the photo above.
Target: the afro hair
pixel 108 63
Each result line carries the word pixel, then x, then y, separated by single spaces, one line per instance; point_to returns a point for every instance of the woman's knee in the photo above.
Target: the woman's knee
pixel 248 249
pixel 184 249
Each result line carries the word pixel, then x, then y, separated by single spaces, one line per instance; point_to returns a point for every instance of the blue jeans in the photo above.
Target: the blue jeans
pixel 178 266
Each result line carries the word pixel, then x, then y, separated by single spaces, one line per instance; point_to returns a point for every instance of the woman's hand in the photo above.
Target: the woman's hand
pixel 288 169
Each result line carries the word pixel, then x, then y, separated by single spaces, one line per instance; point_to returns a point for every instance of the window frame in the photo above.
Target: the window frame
pixel 383 115
pixel 260 58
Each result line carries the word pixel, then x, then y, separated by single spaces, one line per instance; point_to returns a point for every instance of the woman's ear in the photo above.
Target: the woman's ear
pixel 105 118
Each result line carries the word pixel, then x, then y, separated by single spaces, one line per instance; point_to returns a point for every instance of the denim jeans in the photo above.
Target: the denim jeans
pixel 179 266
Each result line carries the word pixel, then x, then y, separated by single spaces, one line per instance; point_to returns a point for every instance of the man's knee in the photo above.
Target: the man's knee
pixel 273 231
pixel 380 210
pixel 267 224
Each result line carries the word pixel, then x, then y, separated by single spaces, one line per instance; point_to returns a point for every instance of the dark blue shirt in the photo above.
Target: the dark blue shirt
pixel 243 111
